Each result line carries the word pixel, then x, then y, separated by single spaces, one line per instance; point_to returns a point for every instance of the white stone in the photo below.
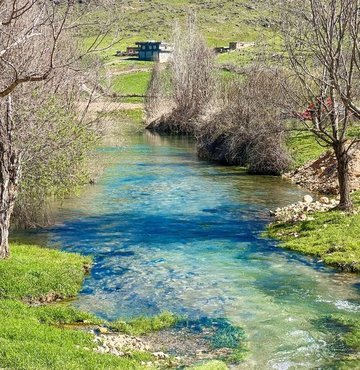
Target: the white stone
pixel 308 199
pixel 324 200
pixel 161 355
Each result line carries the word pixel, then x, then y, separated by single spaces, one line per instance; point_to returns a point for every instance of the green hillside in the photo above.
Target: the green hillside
pixel 219 21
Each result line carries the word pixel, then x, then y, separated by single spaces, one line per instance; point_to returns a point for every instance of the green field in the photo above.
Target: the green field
pixel 135 83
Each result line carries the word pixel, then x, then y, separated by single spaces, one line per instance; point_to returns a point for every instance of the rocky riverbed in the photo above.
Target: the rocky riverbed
pixel 184 344
pixel 303 210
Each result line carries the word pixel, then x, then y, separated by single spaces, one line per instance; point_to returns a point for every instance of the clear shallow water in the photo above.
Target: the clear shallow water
pixel 170 232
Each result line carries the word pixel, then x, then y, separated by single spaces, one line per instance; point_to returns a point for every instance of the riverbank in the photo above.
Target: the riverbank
pixel 41 330
pixel 331 236
pixel 31 336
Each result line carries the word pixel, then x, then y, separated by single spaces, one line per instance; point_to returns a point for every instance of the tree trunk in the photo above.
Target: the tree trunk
pixel 9 176
pixel 343 160
pixel 9 170
pixel 4 234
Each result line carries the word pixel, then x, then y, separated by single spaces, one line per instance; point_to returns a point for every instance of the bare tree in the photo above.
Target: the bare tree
pixel 322 41
pixel 55 141
pixel 41 59
pixel 157 102
pixel 192 81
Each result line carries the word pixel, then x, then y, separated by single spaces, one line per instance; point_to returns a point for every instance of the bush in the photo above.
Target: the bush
pixel 246 128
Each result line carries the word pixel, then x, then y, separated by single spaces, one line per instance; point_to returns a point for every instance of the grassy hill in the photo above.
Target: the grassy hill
pixel 219 21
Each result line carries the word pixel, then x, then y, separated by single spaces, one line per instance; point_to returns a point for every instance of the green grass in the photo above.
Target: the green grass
pixel 32 272
pixel 29 341
pixel 131 84
pixel 304 148
pixel 145 325
pixel 122 64
pixel 32 337
pixel 237 58
pixel 332 237
pixel 269 49
pixel 106 49
pixel 212 365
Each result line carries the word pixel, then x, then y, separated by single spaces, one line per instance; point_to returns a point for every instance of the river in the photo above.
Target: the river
pixel 171 232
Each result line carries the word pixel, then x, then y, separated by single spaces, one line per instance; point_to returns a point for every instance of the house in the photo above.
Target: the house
pixel 235 45
pixel 221 49
pixel 238 45
pixel 154 51
pixel 132 51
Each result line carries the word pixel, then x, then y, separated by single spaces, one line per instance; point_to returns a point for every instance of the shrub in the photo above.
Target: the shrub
pixel 246 129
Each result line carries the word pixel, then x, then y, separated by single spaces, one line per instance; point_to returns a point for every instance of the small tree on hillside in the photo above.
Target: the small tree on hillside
pixel 192 74
pixel 322 39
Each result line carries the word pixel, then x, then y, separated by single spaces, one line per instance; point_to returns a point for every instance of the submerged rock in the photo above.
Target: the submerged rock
pixel 188 342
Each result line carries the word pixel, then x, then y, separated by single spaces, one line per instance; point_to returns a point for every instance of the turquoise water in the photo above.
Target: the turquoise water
pixel 170 232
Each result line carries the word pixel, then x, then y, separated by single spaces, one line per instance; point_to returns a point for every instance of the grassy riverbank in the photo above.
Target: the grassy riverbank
pixel 333 237
pixel 31 337
pixel 41 335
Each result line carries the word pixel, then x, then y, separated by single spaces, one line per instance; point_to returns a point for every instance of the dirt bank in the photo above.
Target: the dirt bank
pixel 321 175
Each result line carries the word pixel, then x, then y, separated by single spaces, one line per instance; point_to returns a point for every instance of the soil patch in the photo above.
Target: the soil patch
pixel 321 175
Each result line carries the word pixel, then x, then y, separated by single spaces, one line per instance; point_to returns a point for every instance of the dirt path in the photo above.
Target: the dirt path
pixel 104 106
pixel 129 71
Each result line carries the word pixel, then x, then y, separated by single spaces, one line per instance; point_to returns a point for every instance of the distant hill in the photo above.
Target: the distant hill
pixel 220 21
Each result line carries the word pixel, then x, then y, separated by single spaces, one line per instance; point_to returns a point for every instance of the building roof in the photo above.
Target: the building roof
pixel 148 42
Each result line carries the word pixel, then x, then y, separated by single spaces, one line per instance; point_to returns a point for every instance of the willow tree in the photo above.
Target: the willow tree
pixel 322 39
pixel 42 66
